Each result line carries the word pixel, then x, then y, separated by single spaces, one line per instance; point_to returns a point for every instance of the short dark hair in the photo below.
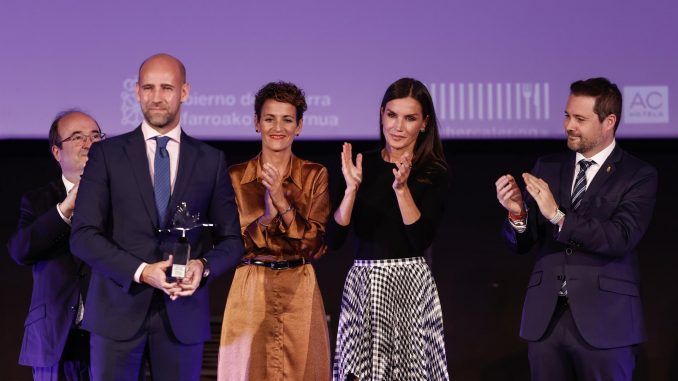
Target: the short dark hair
pixel 285 92
pixel 607 94
pixel 54 138
pixel 428 149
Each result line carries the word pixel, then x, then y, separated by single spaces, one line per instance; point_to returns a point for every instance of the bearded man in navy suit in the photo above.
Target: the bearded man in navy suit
pixel 583 213
pixel 130 189
pixel 54 345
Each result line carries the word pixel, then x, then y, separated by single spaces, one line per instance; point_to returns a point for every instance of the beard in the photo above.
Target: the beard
pixel 582 144
pixel 159 120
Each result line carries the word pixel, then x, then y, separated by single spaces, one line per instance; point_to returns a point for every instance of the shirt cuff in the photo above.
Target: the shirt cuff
pixel 137 274
pixel 519 228
pixel 66 219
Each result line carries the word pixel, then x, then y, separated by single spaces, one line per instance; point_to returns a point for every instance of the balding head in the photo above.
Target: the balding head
pixel 167 61
pixel 54 135
pixel 71 153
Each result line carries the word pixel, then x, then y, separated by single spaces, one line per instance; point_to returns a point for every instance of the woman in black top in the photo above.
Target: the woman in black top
pixel 390 327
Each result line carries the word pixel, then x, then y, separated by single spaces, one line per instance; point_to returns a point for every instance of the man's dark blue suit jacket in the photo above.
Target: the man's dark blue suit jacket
pixel 115 229
pixel 41 241
pixel 594 250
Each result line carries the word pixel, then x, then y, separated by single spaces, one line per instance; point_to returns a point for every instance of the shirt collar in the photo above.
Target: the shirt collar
pixel 150 133
pixel 600 157
pixel 67 184
pixel 253 171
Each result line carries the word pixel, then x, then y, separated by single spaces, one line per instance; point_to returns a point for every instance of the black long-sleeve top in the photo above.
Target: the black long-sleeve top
pixel 377 221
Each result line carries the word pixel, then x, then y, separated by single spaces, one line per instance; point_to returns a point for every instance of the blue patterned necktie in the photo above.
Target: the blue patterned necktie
pixel 580 183
pixel 577 195
pixel 161 174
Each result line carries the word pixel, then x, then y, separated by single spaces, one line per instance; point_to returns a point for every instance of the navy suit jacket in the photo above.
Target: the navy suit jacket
pixel 41 241
pixel 594 250
pixel 115 229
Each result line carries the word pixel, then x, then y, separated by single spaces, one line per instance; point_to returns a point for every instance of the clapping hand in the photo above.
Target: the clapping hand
pixel 402 173
pixel 509 195
pixel 541 193
pixel 272 180
pixel 68 204
pixel 353 173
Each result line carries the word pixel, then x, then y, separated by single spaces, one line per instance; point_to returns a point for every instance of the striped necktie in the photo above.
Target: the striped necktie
pixel 161 174
pixel 580 183
pixel 577 195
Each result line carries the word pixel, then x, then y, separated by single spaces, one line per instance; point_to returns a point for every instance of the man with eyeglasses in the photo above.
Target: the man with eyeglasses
pixel 53 343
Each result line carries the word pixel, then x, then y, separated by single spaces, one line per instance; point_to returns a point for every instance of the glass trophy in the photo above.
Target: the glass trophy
pixel 182 222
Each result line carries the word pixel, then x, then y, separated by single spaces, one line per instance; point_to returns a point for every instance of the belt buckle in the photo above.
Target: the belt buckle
pixel 280 265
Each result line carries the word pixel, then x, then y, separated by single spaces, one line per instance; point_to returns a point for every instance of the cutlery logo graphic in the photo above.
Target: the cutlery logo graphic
pixel 491 101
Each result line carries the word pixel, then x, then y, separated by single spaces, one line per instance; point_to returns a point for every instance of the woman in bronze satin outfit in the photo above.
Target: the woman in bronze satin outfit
pixel 274 324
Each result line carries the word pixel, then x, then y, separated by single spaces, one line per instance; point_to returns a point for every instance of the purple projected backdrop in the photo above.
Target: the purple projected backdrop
pixel 497 69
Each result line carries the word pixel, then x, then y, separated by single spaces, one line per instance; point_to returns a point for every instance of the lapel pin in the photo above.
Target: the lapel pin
pixel 609 168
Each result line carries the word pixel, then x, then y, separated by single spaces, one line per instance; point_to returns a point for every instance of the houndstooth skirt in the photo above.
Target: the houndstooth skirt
pixel 391 324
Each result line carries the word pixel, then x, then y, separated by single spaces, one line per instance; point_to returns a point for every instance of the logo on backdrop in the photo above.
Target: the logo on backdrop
pixel 646 104
pixel 131 113
pixel 491 101
pixel 215 110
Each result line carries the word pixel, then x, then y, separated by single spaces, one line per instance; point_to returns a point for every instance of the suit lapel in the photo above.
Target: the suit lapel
pixel 566 177
pixel 188 154
pixel 607 169
pixel 136 153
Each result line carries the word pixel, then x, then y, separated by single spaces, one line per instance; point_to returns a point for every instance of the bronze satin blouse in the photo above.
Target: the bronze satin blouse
pixel 306 190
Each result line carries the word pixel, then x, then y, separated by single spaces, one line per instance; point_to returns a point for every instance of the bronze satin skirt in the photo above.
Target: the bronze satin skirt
pixel 274 327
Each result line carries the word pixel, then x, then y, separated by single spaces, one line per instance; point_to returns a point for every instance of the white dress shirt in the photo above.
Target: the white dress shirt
pixel 173 150
pixel 591 172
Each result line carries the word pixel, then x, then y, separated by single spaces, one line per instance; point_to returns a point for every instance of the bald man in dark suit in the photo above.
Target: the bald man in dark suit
pixel 130 190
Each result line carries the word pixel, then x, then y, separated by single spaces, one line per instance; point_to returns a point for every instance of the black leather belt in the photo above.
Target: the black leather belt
pixel 277 265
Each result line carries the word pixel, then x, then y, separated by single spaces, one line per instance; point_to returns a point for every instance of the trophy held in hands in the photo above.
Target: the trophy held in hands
pixel 182 222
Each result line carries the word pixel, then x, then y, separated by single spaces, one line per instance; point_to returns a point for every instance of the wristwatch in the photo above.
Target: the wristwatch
pixel 557 217
pixel 205 267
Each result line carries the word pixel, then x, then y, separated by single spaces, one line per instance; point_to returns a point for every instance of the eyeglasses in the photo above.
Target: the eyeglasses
pixel 79 138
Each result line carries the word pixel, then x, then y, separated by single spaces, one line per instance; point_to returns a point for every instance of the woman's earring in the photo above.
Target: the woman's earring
pixel 422 131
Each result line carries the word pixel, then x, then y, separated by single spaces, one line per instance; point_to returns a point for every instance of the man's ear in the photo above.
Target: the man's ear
pixel 610 121
pixel 185 89
pixel 56 152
